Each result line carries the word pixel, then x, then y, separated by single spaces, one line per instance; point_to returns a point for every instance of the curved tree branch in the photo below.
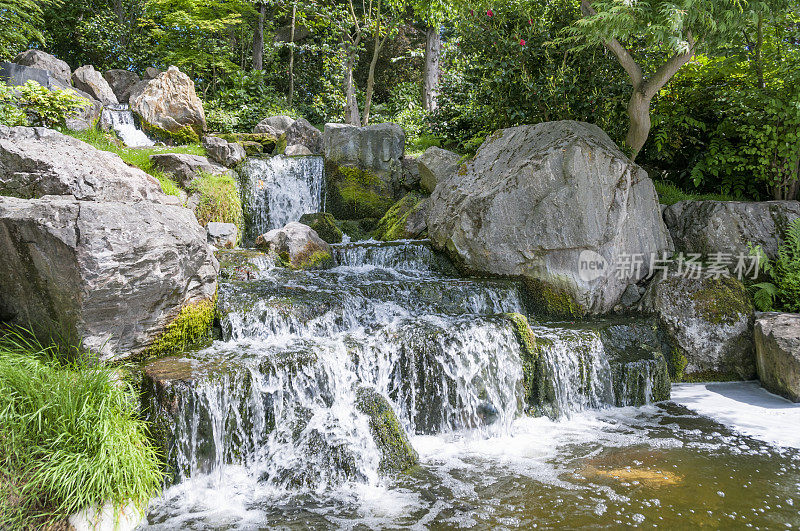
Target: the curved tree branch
pixel 614 46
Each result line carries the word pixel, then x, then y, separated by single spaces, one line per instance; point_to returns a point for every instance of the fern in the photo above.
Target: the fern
pixel 786 270
pixel 764 296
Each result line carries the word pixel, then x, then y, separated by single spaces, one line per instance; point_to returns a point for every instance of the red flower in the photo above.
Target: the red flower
pixel 490 13
pixel 530 22
pixel 522 42
pixel 471 12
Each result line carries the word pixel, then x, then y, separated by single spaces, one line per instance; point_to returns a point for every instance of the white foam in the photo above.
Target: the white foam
pixel 744 407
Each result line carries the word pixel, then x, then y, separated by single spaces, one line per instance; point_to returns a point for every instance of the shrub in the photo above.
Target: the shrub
pixel 70 434
pixel 10 114
pixel 783 293
pixel 47 108
pixel 219 200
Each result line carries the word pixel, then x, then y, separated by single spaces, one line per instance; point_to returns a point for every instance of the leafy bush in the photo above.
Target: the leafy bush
pixel 219 200
pixel 10 114
pixel 44 107
pixel 70 434
pixel 783 293
pixel 669 194
pixel 244 101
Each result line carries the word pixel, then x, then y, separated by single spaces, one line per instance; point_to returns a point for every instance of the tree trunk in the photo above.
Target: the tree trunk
pixel 291 57
pixel 430 80
pixel 376 50
pixel 639 121
pixel 351 113
pixel 759 48
pixel 258 39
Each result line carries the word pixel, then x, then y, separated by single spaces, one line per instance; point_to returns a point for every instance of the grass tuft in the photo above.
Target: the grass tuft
pixel 669 194
pixel 70 436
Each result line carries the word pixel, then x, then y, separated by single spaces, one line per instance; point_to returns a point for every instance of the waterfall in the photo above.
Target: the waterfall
pixel 280 189
pixel 278 393
pixel 120 119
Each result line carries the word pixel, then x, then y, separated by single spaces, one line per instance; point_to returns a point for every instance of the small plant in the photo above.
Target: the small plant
pixel 783 293
pixel 70 435
pixel 219 200
pixel 47 108
pixel 10 114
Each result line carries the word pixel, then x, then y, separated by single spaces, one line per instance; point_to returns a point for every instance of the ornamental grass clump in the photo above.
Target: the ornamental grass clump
pixel 70 437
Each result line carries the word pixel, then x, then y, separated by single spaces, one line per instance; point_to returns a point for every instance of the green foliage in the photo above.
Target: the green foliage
pixel 70 434
pixel 783 292
pixel 243 100
pixel 10 114
pixel 669 194
pixel 219 200
pixel 21 24
pixel 492 80
pixel 33 104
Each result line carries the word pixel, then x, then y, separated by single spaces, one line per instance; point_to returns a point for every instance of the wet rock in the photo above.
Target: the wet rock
pixel 186 168
pixel 226 153
pixel 411 177
pixel 242 264
pixel 405 220
pixel 274 125
pixel 397 454
pixel 537 202
pixel 298 246
pixel 324 225
pixel 729 227
pixel 169 108
pixel 89 80
pixel 110 276
pixel 296 150
pixel 253 143
pixel 121 81
pixel 38 161
pixel 437 165
pixel 222 235
pixel 710 325
pixel 38 59
pixel 777 338
pixel 302 133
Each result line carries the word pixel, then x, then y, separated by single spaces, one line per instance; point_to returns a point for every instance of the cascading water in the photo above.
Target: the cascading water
pixel 266 428
pixel 280 189
pixel 120 119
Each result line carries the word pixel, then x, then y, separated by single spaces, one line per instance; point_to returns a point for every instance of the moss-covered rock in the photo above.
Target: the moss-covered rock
pixel 184 135
pixel 241 264
pixel 355 193
pixel 397 454
pixel 358 229
pixel 399 223
pixel 265 140
pixel 297 246
pixel 553 298
pixel 325 225
pixel 190 328
pixel 710 325
pixel 252 148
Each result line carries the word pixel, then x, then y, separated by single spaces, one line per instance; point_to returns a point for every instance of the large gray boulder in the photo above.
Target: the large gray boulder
pixel 186 168
pixel 297 245
pixel 35 161
pixel 778 353
pixel 709 322
pixel 729 227
pixel 302 133
pixel 89 80
pixel 226 153
pixel 274 125
pixel 222 235
pixel 363 169
pixel 546 202
pixel 121 81
pixel 168 106
pixel 108 275
pixel 38 59
pixel 436 165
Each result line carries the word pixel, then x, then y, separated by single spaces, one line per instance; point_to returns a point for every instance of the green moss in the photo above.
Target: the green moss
pixel 253 143
pixel 316 260
pixel 252 148
pixel 183 136
pixel 539 397
pixel 190 328
pixel 676 364
pixel 392 225
pixel 397 454
pixel 553 298
pixel 354 193
pixel 324 225
pixel 722 301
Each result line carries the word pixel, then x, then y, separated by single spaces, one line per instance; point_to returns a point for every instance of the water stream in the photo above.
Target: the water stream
pixel 265 428
pixel 120 119
pixel 280 189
